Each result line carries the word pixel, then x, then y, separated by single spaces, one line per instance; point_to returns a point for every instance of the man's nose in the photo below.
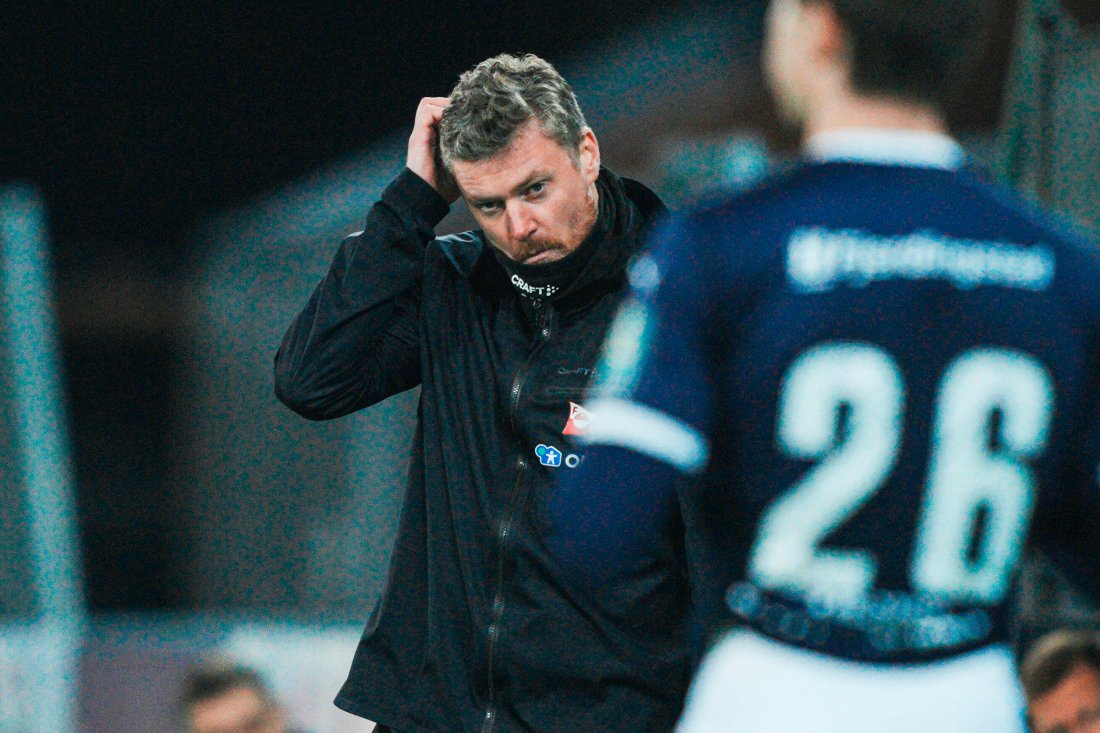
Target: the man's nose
pixel 520 222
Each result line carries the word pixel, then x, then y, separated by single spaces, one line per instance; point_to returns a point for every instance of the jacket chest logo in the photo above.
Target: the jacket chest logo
pixel 579 420
pixel 551 457
pixel 538 291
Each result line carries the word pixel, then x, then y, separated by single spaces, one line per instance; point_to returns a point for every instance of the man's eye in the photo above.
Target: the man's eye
pixel 488 207
pixel 536 188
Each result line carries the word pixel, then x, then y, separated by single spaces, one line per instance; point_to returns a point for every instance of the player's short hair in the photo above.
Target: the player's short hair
pixel 211 681
pixel 1054 656
pixel 918 51
pixel 493 100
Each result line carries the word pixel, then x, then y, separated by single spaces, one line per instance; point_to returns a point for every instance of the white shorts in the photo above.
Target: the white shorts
pixel 750 684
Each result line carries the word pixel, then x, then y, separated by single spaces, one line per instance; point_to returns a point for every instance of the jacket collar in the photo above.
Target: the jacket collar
pixel 885 146
pixel 632 212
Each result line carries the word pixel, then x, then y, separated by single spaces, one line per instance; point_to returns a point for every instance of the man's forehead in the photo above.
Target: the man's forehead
pixel 530 155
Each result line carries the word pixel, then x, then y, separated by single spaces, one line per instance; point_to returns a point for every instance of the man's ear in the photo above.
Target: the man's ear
pixel 588 156
pixel 829 42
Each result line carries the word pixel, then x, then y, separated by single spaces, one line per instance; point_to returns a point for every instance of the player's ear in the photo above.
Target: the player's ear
pixel 588 156
pixel 828 43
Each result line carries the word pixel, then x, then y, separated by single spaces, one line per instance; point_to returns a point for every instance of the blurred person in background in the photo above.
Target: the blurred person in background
pixel 227 698
pixel 477 629
pixel 1061 678
pixel 867 384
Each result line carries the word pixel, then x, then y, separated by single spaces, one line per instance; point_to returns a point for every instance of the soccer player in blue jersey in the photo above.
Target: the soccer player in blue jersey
pixel 868 384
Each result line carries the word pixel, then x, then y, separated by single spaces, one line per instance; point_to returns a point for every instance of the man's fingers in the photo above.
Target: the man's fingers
pixel 431 109
pixel 423 154
pixel 434 113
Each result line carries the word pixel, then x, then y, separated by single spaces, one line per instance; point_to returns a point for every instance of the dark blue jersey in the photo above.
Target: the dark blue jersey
pixel 868 388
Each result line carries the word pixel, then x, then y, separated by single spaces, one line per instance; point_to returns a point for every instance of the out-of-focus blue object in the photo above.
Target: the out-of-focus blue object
pixel 41 603
pixel 693 168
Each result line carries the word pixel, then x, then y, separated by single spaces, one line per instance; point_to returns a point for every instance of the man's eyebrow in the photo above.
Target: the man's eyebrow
pixel 531 180
pixel 535 177
pixel 479 200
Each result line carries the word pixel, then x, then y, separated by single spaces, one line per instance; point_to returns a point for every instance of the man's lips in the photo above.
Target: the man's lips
pixel 541 252
pixel 539 257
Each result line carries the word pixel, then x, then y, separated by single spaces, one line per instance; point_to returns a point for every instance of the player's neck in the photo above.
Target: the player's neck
pixel 847 110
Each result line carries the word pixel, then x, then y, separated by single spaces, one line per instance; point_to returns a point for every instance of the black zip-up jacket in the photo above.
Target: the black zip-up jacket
pixel 477 630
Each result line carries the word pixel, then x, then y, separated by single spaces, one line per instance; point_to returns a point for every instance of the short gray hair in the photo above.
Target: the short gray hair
pixel 493 100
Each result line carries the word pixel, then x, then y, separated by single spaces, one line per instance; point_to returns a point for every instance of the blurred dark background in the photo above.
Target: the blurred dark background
pixel 137 119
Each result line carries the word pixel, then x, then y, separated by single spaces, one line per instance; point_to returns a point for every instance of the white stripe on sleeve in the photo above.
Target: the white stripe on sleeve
pixel 646 431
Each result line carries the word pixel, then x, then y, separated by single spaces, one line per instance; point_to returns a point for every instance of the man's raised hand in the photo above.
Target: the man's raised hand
pixel 423 157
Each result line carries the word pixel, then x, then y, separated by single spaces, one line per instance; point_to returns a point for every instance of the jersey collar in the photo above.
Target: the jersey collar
pixel 886 147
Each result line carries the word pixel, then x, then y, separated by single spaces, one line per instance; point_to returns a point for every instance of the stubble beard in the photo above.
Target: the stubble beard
pixel 581 222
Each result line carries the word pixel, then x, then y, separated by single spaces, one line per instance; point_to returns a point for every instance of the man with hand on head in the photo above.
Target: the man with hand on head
pixel 881 375
pixel 477 630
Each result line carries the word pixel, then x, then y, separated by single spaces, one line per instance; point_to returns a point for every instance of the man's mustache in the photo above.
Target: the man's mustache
pixel 532 247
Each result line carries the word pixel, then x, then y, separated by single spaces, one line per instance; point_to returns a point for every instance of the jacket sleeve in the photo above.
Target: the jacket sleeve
pixel 356 341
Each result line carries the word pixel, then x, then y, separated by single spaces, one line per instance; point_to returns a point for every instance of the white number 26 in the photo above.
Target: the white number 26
pixel 969 474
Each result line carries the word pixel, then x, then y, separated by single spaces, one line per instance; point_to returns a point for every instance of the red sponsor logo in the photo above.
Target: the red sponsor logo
pixel 579 420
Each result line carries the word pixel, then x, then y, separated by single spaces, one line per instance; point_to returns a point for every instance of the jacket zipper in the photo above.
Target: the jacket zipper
pixel 510 508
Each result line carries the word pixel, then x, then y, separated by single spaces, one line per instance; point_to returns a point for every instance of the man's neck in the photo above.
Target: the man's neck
pixel 847 111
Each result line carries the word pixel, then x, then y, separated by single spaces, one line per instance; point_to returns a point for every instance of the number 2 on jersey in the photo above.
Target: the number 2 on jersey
pixel 968 474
